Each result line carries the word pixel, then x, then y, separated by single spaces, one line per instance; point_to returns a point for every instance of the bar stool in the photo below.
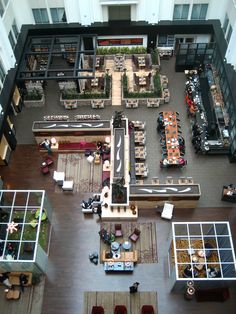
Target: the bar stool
pixel 155 180
pixel 182 180
pixel 169 180
pixel 189 180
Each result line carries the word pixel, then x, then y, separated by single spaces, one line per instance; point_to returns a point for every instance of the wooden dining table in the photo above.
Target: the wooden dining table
pixel 171 135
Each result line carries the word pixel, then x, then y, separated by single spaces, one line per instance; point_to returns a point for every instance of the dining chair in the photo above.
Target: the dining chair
pixel 135 235
pixel 169 180
pixel 118 230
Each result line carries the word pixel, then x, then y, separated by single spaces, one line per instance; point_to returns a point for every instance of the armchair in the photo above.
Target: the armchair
pixel 120 309
pixel 97 310
pixel 147 309
pixel 118 230
pixel 135 235
pixel 167 211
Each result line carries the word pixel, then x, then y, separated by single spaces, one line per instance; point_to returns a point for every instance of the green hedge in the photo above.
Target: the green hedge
pixel 34 94
pixel 125 50
pixel 154 56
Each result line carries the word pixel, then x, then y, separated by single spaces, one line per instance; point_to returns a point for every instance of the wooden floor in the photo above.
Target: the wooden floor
pixel 108 300
pixel 74 236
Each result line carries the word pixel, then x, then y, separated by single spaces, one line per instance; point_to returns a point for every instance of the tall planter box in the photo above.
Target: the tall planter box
pixel 35 103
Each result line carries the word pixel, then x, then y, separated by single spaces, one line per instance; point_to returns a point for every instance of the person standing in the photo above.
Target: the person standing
pixel 134 287
pixel 99 211
pixel 47 145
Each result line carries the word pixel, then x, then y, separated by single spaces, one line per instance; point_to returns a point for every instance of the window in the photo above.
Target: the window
pixel 40 16
pixel 199 11
pixel 229 34
pixel 15 29
pixel 181 12
pixel 226 23
pixel 11 40
pixel 1 9
pixel 58 15
pixel 2 72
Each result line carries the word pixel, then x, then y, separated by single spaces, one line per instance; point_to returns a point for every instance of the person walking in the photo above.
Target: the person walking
pixel 134 287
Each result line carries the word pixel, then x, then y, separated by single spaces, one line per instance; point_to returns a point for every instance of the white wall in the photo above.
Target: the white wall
pixel 231 50
pixel 6 53
pixel 72 11
pixel 166 9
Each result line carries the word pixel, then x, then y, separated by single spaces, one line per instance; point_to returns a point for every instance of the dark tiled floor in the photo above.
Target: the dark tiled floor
pixel 212 172
pixel 75 235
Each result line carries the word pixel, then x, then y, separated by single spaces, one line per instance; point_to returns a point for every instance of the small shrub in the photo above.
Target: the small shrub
pixel 33 94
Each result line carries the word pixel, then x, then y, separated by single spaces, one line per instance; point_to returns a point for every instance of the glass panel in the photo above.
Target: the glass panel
pixel 177 12
pixel 229 34
pixel 15 29
pixel 224 242
pixel 194 229
pixel 2 72
pixel 208 229
pixel 181 11
pixel 185 11
pixel 203 11
pixel 222 229
pixel 181 230
pixel 182 243
pixel 1 9
pixel 162 39
pixel 226 22
pixel 199 11
pixel 195 11
pixel 183 52
pixel 228 270
pixel 58 15
pixel 40 16
pixel 44 15
pixel 183 257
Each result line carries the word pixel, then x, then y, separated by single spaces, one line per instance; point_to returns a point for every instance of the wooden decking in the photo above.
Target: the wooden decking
pixel 30 301
pixel 108 300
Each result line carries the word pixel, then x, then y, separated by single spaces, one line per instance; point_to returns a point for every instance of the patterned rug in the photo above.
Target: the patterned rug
pixel 87 176
pixel 146 244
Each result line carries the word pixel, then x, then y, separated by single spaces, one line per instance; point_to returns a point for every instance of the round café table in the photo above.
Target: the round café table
pixel 126 245
pixel 115 246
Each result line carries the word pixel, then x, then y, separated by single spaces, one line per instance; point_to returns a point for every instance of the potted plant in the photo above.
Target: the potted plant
pixel 119 191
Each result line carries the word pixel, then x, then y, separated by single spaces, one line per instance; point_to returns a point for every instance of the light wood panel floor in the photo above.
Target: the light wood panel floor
pixel 108 300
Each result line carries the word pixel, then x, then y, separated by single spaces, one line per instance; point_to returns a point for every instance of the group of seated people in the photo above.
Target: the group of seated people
pixel 177 142
pixel 211 272
pixel 103 148
pixel 196 138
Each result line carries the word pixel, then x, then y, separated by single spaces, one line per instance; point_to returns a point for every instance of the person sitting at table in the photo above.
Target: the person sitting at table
pixel 189 271
pixel 164 162
pixel 160 125
pixel 181 140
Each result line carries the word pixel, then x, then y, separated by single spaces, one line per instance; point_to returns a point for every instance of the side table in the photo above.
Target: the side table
pixel 126 245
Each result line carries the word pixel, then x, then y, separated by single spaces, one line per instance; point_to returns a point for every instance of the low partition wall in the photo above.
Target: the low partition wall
pixel 150 195
pixel 71 131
